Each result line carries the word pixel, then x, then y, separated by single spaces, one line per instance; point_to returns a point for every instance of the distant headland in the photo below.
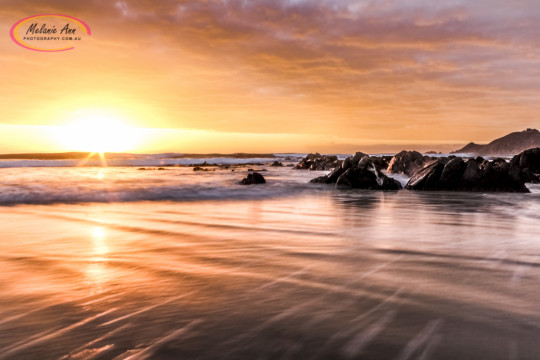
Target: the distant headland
pixel 510 144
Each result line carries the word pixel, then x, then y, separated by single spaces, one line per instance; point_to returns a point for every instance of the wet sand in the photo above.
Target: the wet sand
pixel 318 275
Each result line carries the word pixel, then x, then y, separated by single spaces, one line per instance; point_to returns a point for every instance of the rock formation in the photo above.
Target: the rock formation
pixel 455 174
pixel 318 162
pixel 359 172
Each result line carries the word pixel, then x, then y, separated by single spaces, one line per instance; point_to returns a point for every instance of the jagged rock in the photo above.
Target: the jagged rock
pixel 427 177
pixel 455 174
pixel 528 163
pixel 253 178
pixel 276 163
pixel 407 162
pixel 318 162
pixel 358 156
pixel 359 172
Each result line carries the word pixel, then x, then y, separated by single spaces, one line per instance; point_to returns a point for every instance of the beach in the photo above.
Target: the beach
pixel 120 263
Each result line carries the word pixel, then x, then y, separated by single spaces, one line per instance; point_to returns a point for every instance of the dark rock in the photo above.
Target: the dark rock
pixel 427 178
pixel 528 163
pixel 358 156
pixel 277 163
pixel 479 159
pixel 359 172
pixel 335 174
pixel 529 159
pixel 472 175
pixel 198 168
pixel 313 156
pixel 318 162
pixel 452 172
pixel 407 162
pixel 381 162
pixel 253 178
pixel 456 175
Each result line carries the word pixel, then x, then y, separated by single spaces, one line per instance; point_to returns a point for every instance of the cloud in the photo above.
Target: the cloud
pixel 358 67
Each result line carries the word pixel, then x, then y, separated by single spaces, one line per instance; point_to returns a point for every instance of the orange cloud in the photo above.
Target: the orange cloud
pixel 378 70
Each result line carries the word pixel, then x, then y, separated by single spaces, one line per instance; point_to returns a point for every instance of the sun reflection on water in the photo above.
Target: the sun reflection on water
pixel 97 271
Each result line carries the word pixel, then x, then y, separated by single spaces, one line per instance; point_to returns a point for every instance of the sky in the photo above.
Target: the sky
pixel 277 75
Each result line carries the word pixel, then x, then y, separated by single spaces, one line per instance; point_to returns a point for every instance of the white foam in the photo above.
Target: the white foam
pixel 131 162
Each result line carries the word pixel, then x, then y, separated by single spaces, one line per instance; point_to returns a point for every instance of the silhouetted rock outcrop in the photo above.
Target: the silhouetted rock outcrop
pixel 454 174
pixel 359 172
pixel 318 162
pixel 513 143
pixel 276 163
pixel 253 178
pixel 407 162
pixel 528 163
pixel 198 168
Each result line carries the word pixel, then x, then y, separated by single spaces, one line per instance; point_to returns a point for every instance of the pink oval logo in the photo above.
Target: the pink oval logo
pixel 49 32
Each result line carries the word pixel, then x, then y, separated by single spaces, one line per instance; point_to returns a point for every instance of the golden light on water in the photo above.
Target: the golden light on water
pixel 97 270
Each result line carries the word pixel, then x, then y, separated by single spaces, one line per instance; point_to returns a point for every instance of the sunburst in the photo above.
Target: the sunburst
pixel 98 134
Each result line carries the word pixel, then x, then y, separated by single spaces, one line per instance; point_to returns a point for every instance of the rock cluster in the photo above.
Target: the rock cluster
pixel 318 162
pixel 454 174
pixel 528 163
pixel 359 172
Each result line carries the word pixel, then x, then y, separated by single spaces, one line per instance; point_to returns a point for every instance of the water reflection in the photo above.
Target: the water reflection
pixel 334 275
pixel 97 270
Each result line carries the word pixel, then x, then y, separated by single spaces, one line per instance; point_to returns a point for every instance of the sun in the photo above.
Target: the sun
pixel 98 133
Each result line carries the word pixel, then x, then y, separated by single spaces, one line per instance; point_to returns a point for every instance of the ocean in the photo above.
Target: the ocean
pixel 122 263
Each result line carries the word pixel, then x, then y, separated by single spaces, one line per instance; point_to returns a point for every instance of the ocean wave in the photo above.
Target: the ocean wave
pixel 49 185
pixel 132 162
pixel 48 195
